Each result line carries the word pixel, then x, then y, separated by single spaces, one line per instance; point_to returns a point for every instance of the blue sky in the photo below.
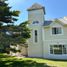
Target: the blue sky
pixel 53 8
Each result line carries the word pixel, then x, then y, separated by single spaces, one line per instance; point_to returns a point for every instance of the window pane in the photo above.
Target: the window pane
pixel 51 49
pixel 56 30
pixel 64 49
pixel 35 22
pixel 57 49
pixel 59 30
pixel 35 35
pixel 53 30
pixel 35 32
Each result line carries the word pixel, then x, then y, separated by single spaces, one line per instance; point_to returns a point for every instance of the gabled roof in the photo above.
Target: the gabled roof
pixel 63 21
pixel 36 6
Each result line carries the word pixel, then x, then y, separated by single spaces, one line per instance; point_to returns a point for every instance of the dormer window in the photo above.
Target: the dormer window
pixel 56 30
pixel 35 22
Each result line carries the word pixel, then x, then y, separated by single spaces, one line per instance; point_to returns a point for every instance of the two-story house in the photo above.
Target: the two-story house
pixel 48 37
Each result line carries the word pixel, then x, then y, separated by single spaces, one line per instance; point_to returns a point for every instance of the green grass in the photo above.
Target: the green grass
pixel 7 61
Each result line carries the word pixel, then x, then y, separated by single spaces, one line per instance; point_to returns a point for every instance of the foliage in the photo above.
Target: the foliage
pixel 25 30
pixel 11 34
pixel 19 34
pixel 14 35
pixel 6 15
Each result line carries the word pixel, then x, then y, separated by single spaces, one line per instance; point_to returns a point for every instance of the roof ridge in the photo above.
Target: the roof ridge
pixel 35 6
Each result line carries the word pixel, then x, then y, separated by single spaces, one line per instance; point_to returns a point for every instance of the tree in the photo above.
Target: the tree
pixel 11 34
pixel 15 35
pixel 20 33
pixel 6 15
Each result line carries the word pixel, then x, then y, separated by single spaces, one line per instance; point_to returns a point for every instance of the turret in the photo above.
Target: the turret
pixel 36 14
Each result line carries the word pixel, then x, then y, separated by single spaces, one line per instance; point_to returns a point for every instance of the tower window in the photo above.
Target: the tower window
pixel 35 35
pixel 35 22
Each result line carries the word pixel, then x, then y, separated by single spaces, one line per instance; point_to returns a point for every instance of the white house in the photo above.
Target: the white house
pixel 48 37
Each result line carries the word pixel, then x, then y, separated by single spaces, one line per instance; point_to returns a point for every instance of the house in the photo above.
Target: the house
pixel 48 37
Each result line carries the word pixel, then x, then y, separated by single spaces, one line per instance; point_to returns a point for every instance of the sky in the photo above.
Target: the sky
pixel 53 8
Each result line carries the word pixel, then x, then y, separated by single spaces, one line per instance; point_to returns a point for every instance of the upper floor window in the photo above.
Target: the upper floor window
pixel 56 30
pixel 35 22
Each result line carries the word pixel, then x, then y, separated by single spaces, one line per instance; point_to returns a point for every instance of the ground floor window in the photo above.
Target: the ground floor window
pixel 58 49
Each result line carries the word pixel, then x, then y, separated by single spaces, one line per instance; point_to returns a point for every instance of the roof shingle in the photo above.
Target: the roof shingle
pixel 46 23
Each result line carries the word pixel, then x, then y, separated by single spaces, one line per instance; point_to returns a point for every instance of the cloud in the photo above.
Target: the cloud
pixel 16 2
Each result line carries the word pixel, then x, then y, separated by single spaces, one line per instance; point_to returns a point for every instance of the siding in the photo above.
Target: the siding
pixel 49 36
pixel 50 39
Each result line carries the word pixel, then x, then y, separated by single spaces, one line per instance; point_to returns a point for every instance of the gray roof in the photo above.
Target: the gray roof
pixel 46 23
pixel 63 21
pixel 36 6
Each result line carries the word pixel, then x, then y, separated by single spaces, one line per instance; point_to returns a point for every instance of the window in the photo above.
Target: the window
pixel 35 22
pixel 56 30
pixel 35 35
pixel 58 49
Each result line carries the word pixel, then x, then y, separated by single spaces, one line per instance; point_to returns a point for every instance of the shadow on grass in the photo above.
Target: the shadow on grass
pixel 26 63
pixel 3 55
pixel 59 60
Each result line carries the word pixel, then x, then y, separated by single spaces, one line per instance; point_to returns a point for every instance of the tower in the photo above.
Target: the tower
pixel 36 13
pixel 36 19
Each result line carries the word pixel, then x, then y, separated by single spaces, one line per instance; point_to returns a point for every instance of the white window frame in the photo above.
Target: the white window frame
pixel 57 27
pixel 34 36
pixel 58 54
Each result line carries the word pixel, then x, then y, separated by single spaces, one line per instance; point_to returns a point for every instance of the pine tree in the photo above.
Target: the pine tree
pixel 6 15
pixel 11 34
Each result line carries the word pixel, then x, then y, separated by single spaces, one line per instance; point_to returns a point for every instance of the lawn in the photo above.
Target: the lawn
pixel 7 61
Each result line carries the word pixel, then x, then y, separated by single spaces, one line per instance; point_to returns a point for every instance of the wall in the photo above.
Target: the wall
pixel 50 39
pixel 35 49
pixel 36 15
